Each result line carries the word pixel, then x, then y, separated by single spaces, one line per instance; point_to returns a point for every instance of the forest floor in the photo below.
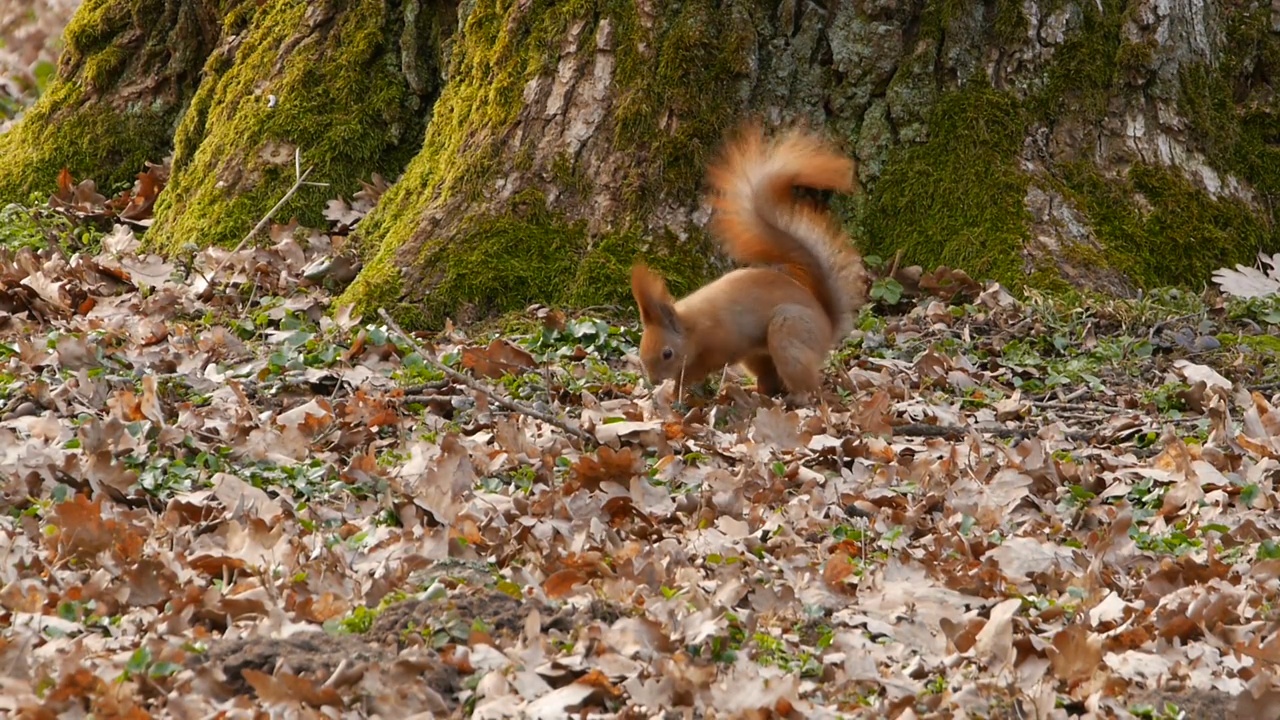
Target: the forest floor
pixel 221 494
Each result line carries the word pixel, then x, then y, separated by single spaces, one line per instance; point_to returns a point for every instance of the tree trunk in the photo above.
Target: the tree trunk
pixel 127 71
pixel 346 84
pixel 570 138
pixel 231 89
pixel 1110 144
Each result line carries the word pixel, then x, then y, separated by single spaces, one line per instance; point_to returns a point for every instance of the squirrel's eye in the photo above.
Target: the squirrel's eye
pixel 667 353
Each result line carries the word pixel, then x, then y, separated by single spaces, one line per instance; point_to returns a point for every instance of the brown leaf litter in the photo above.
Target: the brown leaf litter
pixel 226 498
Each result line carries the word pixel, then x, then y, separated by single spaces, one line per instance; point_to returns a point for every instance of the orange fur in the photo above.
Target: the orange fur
pixel 781 317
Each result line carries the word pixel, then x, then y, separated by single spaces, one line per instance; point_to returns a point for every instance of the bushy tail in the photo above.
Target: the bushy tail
pixel 758 219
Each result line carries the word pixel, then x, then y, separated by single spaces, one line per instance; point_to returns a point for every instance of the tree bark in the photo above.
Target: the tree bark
pixel 128 70
pixel 1105 144
pixel 347 85
pixel 232 89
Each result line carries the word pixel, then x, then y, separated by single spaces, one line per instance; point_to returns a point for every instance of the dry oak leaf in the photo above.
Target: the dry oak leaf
pixel 311 417
pixel 776 428
pixel 561 584
pixel 994 642
pixel 82 531
pixel 646 433
pixel 607 465
pixel 498 359
pixel 288 689
pixel 438 480
pixel 1248 282
pixel 947 283
pixel 873 416
pixel 1076 653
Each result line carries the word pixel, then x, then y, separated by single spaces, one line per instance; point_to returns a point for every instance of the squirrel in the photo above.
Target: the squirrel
pixel 780 316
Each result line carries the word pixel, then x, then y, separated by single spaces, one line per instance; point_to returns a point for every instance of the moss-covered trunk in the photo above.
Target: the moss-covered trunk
pixel 1111 143
pixel 345 84
pixel 128 70
pixel 570 138
pixel 232 89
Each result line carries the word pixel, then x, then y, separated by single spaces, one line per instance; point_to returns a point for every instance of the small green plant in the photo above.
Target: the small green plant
pixel 141 665
pixel 358 621
pixel 887 291
pixel 592 336
pixel 1168 399
pixel 1177 541
pixel 772 651
pixel 1269 550
pixel 1168 711
pixel 38 227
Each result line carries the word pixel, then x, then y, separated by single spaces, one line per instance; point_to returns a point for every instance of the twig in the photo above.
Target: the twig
pixel 298 183
pixel 1074 395
pixel 512 405
pixel 1159 325
pixel 265 219
pixel 949 431
pixel 417 399
pixel 1086 405
pixel 423 387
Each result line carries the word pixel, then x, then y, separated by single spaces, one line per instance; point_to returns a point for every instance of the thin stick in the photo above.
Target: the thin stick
pixel 512 405
pixel 950 431
pixel 265 219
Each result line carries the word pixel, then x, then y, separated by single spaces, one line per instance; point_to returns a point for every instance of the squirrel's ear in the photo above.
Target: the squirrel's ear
pixel 656 304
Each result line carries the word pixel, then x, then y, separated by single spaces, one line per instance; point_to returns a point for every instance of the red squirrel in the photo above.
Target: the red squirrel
pixel 779 317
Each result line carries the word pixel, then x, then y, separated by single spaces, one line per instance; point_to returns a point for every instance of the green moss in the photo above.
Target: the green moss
pixel 79 124
pixel 1240 135
pixel 94 26
pixel 501 263
pixel 957 199
pixel 101 69
pixel 1134 58
pixel 673 107
pixel 479 103
pixel 1082 75
pixel 64 129
pixel 1176 235
pixel 603 276
pixel 673 89
pixel 1235 118
pixel 568 175
pixel 339 100
pixel 379 285
pixel 1265 344
pixel 1011 24
pixel 1002 21
pixel 1047 279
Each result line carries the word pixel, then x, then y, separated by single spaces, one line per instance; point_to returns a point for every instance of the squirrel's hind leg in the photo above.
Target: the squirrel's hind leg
pixel 798 342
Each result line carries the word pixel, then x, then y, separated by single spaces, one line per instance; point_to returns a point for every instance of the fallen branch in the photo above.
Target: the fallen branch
pixel 956 431
pixel 508 403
